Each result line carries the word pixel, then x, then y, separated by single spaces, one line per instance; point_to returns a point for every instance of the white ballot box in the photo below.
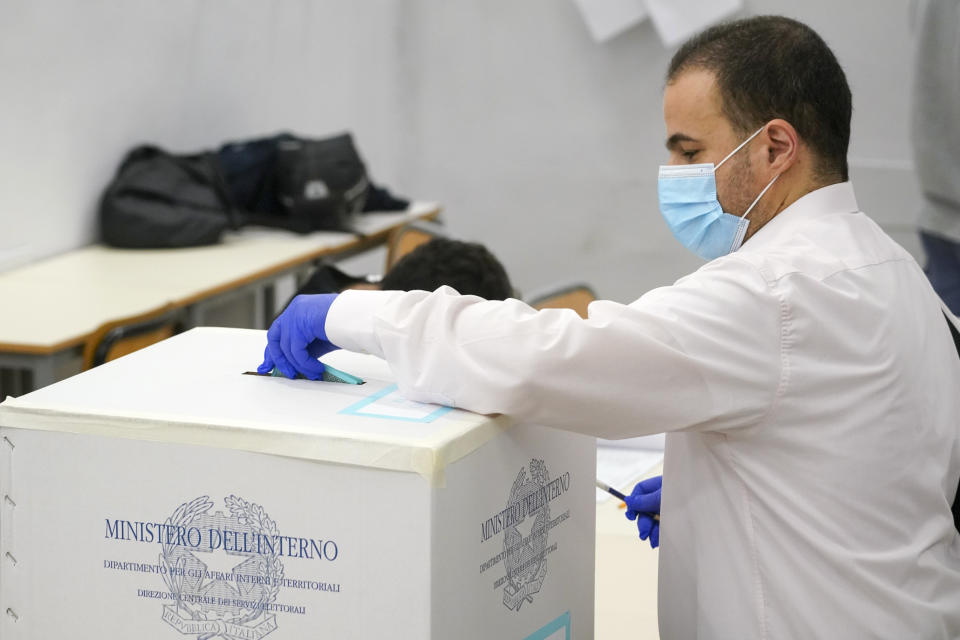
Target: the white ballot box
pixel 165 495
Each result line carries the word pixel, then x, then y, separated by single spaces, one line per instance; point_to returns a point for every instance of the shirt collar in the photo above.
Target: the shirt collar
pixel 832 199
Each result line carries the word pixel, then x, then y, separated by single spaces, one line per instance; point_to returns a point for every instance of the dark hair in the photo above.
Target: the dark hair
pixel 773 67
pixel 467 267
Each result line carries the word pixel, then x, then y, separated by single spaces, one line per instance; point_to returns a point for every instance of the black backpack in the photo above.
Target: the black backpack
pixel 159 199
pixel 162 200
pixel 323 182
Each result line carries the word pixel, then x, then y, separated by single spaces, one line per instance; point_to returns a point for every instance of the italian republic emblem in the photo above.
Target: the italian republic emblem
pixel 221 592
pixel 524 558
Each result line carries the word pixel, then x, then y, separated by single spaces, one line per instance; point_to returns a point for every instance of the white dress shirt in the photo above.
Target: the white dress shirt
pixel 810 391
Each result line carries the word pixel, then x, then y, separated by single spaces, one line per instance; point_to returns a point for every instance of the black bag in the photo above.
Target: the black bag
pixel 323 182
pixel 163 200
pixel 159 199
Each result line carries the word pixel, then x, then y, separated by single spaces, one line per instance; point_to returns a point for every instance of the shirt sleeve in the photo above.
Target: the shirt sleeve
pixel 702 354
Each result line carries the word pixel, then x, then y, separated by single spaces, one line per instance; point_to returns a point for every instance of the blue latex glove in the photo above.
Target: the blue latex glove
pixel 642 504
pixel 297 338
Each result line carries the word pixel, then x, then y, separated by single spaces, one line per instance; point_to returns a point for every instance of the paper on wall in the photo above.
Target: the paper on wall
pixel 677 20
pixel 655 441
pixel 608 18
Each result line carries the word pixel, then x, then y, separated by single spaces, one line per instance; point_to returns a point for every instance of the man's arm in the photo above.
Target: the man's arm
pixel 702 354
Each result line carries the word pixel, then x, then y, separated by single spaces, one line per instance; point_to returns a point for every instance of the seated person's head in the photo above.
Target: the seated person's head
pixel 466 266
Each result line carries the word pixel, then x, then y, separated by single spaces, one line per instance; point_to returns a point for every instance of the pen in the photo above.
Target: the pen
pixel 616 494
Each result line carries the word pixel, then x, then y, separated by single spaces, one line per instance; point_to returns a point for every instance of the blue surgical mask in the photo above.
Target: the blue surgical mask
pixel 688 202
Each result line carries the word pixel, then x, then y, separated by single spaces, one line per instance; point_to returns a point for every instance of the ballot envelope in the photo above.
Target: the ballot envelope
pixel 166 495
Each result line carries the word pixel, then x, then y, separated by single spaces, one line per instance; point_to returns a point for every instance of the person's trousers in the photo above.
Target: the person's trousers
pixel 943 268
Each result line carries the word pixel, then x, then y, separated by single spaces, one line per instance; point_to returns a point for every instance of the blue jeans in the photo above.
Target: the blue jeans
pixel 943 268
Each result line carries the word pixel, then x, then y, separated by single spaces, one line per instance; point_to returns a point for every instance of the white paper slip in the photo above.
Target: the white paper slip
pixel 608 18
pixel 654 442
pixel 677 20
pixel 620 468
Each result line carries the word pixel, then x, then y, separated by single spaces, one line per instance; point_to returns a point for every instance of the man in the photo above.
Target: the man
pixel 936 140
pixel 468 267
pixel 805 376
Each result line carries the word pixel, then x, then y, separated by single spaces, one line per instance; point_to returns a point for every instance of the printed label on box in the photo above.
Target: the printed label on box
pixel 221 572
pixel 525 524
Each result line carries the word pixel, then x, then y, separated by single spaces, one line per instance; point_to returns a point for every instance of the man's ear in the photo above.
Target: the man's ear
pixel 783 145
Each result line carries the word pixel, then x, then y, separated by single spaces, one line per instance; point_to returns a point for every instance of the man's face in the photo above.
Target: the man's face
pixel 698 132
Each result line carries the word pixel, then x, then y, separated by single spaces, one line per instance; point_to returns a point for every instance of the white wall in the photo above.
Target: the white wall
pixel 545 145
pixel 83 80
pixel 540 142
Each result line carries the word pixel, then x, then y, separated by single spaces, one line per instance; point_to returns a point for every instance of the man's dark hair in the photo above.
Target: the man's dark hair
pixel 773 67
pixel 467 267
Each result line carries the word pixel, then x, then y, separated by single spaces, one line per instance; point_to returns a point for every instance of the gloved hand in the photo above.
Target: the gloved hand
pixel 297 337
pixel 642 504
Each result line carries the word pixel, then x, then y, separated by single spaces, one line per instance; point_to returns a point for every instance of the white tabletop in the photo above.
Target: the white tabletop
pixel 626 577
pixel 58 302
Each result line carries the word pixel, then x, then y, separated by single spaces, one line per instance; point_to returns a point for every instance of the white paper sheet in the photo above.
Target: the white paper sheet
pixel 608 18
pixel 655 441
pixel 677 20
pixel 621 467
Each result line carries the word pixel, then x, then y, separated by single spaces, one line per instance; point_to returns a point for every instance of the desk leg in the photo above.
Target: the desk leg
pixel 268 295
pixel 22 373
pixel 259 307
pixel 245 308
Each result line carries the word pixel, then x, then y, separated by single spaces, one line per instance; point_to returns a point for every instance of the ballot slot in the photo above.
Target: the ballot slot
pixel 330 374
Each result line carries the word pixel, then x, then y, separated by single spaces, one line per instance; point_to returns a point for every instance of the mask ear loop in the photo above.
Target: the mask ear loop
pixel 742 228
pixel 742 144
pixel 750 208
